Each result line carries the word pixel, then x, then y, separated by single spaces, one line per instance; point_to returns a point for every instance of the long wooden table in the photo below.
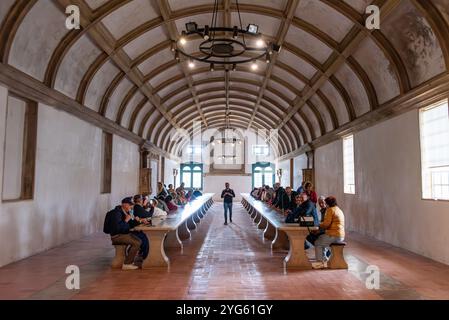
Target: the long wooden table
pixel 170 231
pixel 288 236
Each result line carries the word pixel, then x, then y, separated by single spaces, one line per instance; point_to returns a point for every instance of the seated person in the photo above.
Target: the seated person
pixel 161 204
pixel 334 230
pixel 157 212
pixel 288 199
pixel 118 223
pixel 170 204
pixel 140 203
pixel 161 190
pixel 276 195
pixel 306 208
pixel 181 195
pixel 254 193
pixel 171 191
pixel 189 196
pixel 323 207
pixel 197 193
pixel 308 188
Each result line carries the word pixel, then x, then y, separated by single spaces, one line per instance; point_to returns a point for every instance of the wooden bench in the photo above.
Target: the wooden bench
pixel 337 259
pixel 289 236
pixel 168 231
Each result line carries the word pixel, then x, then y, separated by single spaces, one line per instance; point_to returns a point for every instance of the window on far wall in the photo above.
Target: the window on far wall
pixel 348 165
pixel 19 149
pixel 192 175
pixel 263 174
pixel 434 130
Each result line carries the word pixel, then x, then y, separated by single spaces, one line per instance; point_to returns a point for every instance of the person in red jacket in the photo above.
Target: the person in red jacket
pixel 308 188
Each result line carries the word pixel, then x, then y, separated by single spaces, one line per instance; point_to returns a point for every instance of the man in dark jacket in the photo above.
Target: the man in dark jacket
pixel 227 194
pixel 305 209
pixel 118 223
pixel 139 210
pixel 288 199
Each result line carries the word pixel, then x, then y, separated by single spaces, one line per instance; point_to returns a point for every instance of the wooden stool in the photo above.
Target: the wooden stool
pixel 337 259
pixel 119 259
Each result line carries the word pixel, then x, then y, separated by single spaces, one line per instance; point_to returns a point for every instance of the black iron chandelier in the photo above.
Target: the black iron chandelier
pixel 224 45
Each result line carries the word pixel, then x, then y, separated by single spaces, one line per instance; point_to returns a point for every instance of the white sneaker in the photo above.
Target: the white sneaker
pixel 129 267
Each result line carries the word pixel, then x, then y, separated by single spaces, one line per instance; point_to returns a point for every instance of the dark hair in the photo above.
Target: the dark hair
pixel 331 201
pixel 137 197
pixel 308 184
pixel 168 199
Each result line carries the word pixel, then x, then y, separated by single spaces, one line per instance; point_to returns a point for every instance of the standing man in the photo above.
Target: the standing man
pixel 227 194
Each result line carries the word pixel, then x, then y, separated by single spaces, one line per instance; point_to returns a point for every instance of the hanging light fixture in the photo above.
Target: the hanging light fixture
pixel 224 45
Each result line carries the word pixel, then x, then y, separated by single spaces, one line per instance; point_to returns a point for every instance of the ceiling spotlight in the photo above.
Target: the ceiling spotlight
pixel 173 46
pixel 212 67
pixel 254 66
pixel 234 67
pixel 253 29
pixel 206 32
pixel 191 64
pixel 213 143
pixel 183 39
pixel 259 43
pixel 177 56
pixel 191 27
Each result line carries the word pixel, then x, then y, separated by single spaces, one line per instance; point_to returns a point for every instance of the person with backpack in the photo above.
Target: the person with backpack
pixel 118 224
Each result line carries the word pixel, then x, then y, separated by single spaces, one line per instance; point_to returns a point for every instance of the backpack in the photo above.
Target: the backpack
pixel 109 222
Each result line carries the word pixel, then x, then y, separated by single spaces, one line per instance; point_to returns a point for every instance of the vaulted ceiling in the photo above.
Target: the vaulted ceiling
pixel 330 72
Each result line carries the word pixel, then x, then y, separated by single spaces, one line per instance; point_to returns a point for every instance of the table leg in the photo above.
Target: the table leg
pixel 172 240
pixel 196 218
pixel 156 256
pixel 297 258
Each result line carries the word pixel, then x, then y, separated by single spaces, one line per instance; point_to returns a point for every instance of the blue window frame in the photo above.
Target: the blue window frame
pixel 263 174
pixel 192 175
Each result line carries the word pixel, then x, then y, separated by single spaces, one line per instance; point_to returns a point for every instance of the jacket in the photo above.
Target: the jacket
pixel 115 223
pixel 306 209
pixel 140 212
pixel 334 222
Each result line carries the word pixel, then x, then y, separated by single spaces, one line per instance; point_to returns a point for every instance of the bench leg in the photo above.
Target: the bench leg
pixel 156 256
pixel 253 213
pixel 257 218
pixel 262 224
pixel 172 240
pixel 196 218
pixel 337 259
pixel 297 258
pixel 119 259
pixel 280 241
pixel 269 232
pixel 191 223
pixel 183 231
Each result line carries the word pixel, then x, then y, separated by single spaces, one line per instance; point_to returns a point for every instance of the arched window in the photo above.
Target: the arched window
pixel 263 174
pixel 192 175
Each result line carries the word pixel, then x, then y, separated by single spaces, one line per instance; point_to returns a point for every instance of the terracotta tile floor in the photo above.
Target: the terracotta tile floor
pixel 224 262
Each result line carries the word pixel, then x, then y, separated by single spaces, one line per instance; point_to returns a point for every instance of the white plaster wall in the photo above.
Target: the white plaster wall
pixel 154 176
pixel 67 203
pixel 169 166
pixel 285 179
pixel 215 184
pixel 299 163
pixel 387 204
